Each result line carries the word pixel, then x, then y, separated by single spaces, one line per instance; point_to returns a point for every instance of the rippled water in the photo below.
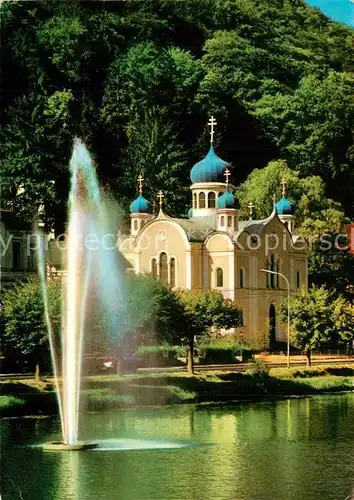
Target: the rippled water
pixel 296 449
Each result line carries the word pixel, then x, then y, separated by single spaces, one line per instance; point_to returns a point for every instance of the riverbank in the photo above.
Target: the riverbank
pixel 99 393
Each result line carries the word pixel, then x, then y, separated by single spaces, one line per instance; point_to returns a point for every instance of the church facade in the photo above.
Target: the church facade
pixel 253 262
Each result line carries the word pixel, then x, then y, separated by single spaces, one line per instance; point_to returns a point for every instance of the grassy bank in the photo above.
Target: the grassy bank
pixel 25 397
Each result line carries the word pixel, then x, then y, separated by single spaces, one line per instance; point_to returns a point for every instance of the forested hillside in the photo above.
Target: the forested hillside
pixel 137 81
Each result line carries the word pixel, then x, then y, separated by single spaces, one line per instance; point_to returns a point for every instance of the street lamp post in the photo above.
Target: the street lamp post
pixel 288 285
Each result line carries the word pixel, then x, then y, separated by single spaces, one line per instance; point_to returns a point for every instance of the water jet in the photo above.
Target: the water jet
pixel 93 278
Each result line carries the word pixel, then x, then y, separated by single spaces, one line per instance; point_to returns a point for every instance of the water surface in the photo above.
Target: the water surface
pixel 296 449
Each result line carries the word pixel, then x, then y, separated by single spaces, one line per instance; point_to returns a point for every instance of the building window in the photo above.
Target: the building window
pixel 211 200
pixel 30 260
pixel 229 221
pixel 222 221
pixel 272 267
pixel 163 275
pixel 135 225
pixel 154 268
pixel 194 200
pixel 219 277
pixel 173 272
pixel 201 200
pixel 298 279
pixel 242 283
pixel 16 254
pixel 242 322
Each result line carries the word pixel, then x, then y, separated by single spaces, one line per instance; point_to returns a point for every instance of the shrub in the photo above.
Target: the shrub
pixel 159 355
pixel 10 402
pixel 258 368
pixel 217 352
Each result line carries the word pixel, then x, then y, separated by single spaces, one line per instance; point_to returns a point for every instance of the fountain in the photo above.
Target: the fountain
pixel 89 264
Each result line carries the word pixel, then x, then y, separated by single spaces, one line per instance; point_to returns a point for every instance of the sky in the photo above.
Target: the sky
pixel 339 10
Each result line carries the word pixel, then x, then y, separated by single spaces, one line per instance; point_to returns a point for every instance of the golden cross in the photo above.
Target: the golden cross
pixel 140 183
pixel 227 174
pixel 250 208
pixel 212 123
pixel 283 183
pixel 160 197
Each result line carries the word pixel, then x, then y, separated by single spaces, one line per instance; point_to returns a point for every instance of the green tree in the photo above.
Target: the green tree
pixel 25 336
pixel 330 264
pixel 343 313
pixel 313 127
pixel 153 150
pixel 203 310
pixel 315 213
pixel 152 311
pixel 311 319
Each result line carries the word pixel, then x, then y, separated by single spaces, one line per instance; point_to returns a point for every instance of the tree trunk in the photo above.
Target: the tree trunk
pixel 308 357
pixel 190 361
pixel 37 374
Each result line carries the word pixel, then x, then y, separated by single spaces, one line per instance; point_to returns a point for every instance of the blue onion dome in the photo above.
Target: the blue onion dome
pixel 210 169
pixel 190 213
pixel 284 207
pixel 141 206
pixel 227 200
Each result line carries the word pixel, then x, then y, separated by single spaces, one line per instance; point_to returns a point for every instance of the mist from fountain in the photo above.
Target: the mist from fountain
pixel 93 271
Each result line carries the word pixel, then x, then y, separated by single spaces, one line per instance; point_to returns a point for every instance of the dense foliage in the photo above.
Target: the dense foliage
pixel 137 80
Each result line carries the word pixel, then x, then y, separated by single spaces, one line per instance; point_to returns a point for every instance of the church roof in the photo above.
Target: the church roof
pixel 197 229
pixel 210 169
pixel 284 207
pixel 227 200
pixel 141 206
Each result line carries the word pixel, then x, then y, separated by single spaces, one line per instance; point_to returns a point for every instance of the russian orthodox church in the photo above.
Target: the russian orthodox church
pixel 213 249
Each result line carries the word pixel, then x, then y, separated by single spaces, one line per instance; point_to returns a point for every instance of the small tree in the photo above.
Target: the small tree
pixel 311 319
pixel 203 310
pixel 343 317
pixel 150 313
pixel 25 332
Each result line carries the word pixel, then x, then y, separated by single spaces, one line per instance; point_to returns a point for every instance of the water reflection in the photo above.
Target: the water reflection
pixel 286 450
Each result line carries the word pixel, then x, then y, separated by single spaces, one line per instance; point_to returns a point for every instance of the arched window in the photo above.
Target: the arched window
pixel 219 277
pixel 163 275
pixel 194 200
pixel 136 225
pixel 201 200
pixel 298 279
pixel 222 221
pixel 154 268
pixel 242 278
pixel 173 272
pixel 229 221
pixel 272 277
pixel 211 200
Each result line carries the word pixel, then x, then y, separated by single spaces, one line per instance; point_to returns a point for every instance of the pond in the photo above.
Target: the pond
pixel 288 450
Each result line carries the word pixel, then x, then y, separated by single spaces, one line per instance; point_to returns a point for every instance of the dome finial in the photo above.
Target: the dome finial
pixel 283 183
pixel 140 183
pixel 250 209
pixel 227 174
pixel 212 122
pixel 160 197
